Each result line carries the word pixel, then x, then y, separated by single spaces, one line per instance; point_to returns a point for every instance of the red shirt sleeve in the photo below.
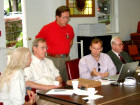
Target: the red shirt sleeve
pixel 42 33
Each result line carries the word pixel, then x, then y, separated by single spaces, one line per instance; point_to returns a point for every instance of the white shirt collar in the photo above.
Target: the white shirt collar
pixel 116 53
pixel 36 59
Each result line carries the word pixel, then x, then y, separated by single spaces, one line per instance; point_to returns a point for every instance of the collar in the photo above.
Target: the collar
pixel 116 53
pixel 99 57
pixel 59 25
pixel 36 59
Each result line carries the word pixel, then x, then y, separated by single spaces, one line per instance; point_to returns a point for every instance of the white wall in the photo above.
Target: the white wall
pixel 36 14
pixel 129 15
pixel 2 37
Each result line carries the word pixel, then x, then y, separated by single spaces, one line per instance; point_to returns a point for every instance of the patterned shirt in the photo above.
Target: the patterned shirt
pixel 88 63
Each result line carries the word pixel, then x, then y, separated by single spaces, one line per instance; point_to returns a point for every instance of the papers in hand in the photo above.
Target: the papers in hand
pixel 60 92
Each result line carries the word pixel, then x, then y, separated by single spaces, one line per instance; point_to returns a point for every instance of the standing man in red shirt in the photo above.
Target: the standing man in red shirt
pixel 59 38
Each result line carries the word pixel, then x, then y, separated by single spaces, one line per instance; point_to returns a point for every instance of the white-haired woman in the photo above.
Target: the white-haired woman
pixel 12 83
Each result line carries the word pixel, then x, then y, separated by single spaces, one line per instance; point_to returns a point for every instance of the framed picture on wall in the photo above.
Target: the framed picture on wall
pixel 81 8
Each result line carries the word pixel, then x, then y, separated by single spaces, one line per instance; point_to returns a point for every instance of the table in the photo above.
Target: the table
pixel 113 95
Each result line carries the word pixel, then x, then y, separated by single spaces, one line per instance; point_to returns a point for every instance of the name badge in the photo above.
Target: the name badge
pixel 67 36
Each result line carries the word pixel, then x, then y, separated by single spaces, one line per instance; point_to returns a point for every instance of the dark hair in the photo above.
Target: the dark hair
pixel 61 9
pixel 96 40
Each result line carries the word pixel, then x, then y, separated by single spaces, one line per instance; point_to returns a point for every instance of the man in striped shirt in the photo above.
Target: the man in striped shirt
pixel 97 64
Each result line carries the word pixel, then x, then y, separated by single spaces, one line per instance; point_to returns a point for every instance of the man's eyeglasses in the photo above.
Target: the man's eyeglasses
pixel 120 44
pixel 43 47
pixel 99 67
pixel 65 18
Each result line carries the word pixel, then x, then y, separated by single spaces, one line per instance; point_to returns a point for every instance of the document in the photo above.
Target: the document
pixel 68 92
pixel 105 82
pixel 83 92
pixel 60 92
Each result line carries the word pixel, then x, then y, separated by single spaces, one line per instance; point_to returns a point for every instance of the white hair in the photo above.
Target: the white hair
pixel 113 40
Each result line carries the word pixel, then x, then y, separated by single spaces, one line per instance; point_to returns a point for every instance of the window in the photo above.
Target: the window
pixel 108 14
pixel 81 8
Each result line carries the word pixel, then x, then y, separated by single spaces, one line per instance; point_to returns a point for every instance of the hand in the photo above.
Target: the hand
pixel 31 96
pixel 60 84
pixel 31 101
pixel 94 73
pixel 104 74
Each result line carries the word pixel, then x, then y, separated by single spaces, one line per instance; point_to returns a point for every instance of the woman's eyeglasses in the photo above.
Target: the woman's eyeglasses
pixel 99 67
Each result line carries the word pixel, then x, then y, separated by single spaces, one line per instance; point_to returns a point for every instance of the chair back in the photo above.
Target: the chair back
pixel 138 27
pixel 1 103
pixel 72 68
pixel 133 50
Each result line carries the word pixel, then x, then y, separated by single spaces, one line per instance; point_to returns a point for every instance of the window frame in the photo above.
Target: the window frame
pixel 113 27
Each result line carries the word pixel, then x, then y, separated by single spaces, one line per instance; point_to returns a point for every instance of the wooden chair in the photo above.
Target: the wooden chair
pixel 133 52
pixel 72 68
pixel 136 36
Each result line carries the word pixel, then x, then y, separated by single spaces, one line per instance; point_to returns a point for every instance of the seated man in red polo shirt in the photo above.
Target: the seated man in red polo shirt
pixel 59 38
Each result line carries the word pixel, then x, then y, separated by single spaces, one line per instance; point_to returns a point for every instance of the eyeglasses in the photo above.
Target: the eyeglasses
pixel 99 67
pixel 42 48
pixel 65 18
pixel 120 44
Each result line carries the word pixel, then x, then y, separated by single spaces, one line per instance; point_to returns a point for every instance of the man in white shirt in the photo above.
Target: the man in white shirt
pixel 42 73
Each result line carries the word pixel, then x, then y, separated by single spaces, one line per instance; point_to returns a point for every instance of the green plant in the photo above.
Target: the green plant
pixel 19 43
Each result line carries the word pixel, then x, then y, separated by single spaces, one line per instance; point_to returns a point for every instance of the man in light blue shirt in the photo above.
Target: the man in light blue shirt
pixel 97 64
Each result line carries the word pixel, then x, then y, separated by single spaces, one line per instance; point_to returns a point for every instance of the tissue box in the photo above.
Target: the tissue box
pixel 85 82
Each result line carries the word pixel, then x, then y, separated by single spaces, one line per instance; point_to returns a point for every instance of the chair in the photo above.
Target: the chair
pixel 136 36
pixel 133 52
pixel 1 103
pixel 72 68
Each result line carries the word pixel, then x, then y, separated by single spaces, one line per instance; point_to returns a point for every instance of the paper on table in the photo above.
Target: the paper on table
pixel 105 82
pixel 60 92
pixel 68 92
pixel 89 100
pixel 82 92
pixel 94 97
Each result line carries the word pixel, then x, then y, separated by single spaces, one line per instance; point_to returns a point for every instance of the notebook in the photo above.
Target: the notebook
pixel 127 70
